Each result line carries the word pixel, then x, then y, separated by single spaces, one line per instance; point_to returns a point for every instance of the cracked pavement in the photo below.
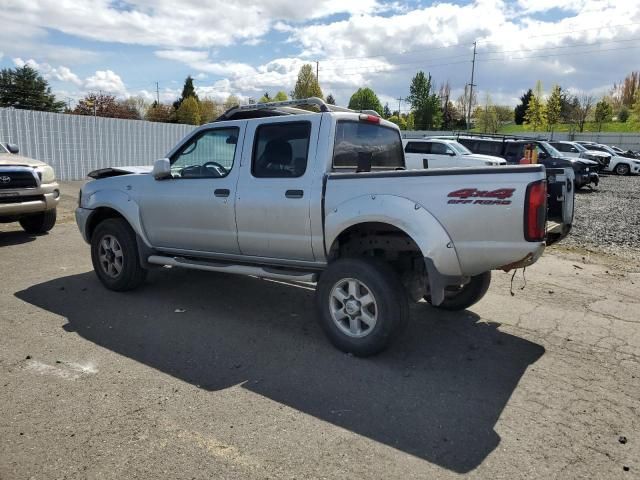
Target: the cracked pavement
pixel 241 383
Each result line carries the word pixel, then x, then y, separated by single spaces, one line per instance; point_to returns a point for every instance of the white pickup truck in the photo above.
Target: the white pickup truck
pixel 276 191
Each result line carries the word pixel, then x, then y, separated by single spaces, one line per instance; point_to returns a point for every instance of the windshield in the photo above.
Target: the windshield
pixel 607 149
pixel 579 147
pixel 550 150
pixel 461 149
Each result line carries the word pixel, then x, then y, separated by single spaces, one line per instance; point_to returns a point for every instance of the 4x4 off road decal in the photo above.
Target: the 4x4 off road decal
pixel 474 196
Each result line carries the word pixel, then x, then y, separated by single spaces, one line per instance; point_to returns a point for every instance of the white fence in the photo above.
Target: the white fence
pixel 74 145
pixel 626 141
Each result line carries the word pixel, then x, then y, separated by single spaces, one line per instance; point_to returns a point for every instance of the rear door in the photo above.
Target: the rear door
pixel 274 189
pixel 416 154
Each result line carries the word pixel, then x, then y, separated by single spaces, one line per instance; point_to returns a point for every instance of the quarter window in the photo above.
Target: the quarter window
pixel 281 150
pixel 209 154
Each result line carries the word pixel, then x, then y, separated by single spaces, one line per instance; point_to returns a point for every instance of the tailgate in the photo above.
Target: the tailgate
pixel 560 203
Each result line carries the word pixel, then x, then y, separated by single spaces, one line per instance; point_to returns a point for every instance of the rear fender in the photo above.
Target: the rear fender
pixel 404 214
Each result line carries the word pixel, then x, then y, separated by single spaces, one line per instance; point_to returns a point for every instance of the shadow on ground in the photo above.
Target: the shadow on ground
pixel 436 394
pixel 16 237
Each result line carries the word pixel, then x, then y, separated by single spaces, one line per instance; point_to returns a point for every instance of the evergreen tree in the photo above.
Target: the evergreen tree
pixel 189 111
pixel 520 110
pixel 365 99
pixel 603 113
pixel 386 111
pixel 536 115
pixel 23 87
pixel 307 84
pixel 330 99
pixel 424 104
pixel 188 90
pixel 554 107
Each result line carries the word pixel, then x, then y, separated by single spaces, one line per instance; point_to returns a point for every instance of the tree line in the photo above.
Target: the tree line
pixel 429 108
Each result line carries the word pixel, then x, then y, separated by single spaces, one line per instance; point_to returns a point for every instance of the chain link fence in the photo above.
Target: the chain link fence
pixel 74 145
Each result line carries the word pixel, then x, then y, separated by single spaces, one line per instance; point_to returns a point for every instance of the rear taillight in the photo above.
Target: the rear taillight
pixel 535 211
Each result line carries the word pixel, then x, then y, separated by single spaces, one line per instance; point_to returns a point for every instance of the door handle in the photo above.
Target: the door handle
pixel 425 163
pixel 221 192
pixel 294 194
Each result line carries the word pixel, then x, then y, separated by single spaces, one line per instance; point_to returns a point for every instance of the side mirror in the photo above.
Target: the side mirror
pixel 543 155
pixel 13 148
pixel 451 154
pixel 161 169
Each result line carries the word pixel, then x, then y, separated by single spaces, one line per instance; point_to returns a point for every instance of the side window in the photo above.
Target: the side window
pixel 438 148
pixel 418 147
pixel 514 152
pixel 281 150
pixel 207 155
pixel 356 140
pixel 561 147
pixel 489 147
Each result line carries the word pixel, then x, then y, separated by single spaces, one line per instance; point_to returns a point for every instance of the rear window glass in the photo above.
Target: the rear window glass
pixel 355 138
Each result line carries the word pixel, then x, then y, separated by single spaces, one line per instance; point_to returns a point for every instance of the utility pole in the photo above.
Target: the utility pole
pixel 157 94
pixel 399 101
pixel 471 85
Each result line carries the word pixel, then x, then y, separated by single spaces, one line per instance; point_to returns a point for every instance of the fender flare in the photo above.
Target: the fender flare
pixel 120 202
pixel 406 215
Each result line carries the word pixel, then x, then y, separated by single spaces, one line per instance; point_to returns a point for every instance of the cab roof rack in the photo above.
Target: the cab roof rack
pixel 287 107
pixel 499 136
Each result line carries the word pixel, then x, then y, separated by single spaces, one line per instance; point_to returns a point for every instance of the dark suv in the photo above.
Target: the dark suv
pixel 512 149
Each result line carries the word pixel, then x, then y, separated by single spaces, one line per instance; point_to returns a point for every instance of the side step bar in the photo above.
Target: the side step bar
pixel 262 272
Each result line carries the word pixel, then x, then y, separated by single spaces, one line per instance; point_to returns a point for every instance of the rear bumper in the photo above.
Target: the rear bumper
pixel 16 203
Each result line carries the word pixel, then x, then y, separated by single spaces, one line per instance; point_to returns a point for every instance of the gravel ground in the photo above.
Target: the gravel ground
pixel 607 219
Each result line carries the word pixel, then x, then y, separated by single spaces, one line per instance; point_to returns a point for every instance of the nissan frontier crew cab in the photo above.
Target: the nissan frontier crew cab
pixel 276 191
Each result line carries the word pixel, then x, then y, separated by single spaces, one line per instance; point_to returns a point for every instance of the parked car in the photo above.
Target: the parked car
pixel 618 164
pixel 29 193
pixel 512 149
pixel 443 153
pixel 626 153
pixel 575 149
pixel 275 191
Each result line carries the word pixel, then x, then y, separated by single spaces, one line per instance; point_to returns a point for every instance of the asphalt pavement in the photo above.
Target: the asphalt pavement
pixel 213 376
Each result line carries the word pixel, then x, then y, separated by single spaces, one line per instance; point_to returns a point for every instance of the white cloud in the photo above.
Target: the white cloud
pixel 107 81
pixel 61 73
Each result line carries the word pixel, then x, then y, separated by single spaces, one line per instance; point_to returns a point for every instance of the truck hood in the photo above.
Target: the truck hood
pixel 18 160
pixel 490 158
pixel 583 161
pixel 116 171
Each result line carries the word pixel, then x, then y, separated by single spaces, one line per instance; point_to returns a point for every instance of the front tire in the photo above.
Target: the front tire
pixel 362 305
pixel 622 169
pixel 39 223
pixel 461 298
pixel 114 254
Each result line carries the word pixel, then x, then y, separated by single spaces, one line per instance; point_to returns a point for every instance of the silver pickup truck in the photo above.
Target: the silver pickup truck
pixel 277 191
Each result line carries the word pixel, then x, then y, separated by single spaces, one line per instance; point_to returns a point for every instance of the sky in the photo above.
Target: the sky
pixel 247 47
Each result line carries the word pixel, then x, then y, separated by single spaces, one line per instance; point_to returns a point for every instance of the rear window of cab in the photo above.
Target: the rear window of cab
pixel 357 138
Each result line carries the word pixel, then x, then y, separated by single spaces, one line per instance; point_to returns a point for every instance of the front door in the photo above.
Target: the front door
pixel 274 189
pixel 194 209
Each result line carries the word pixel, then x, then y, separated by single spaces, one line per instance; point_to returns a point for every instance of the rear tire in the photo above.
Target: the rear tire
pixel 114 254
pixel 468 295
pixel 622 169
pixel 39 223
pixel 362 305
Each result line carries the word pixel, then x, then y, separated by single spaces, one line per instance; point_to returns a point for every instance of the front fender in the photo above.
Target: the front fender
pixel 404 214
pixel 119 201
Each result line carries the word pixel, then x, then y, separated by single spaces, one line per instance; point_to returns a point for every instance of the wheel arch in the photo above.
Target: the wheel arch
pixel 393 213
